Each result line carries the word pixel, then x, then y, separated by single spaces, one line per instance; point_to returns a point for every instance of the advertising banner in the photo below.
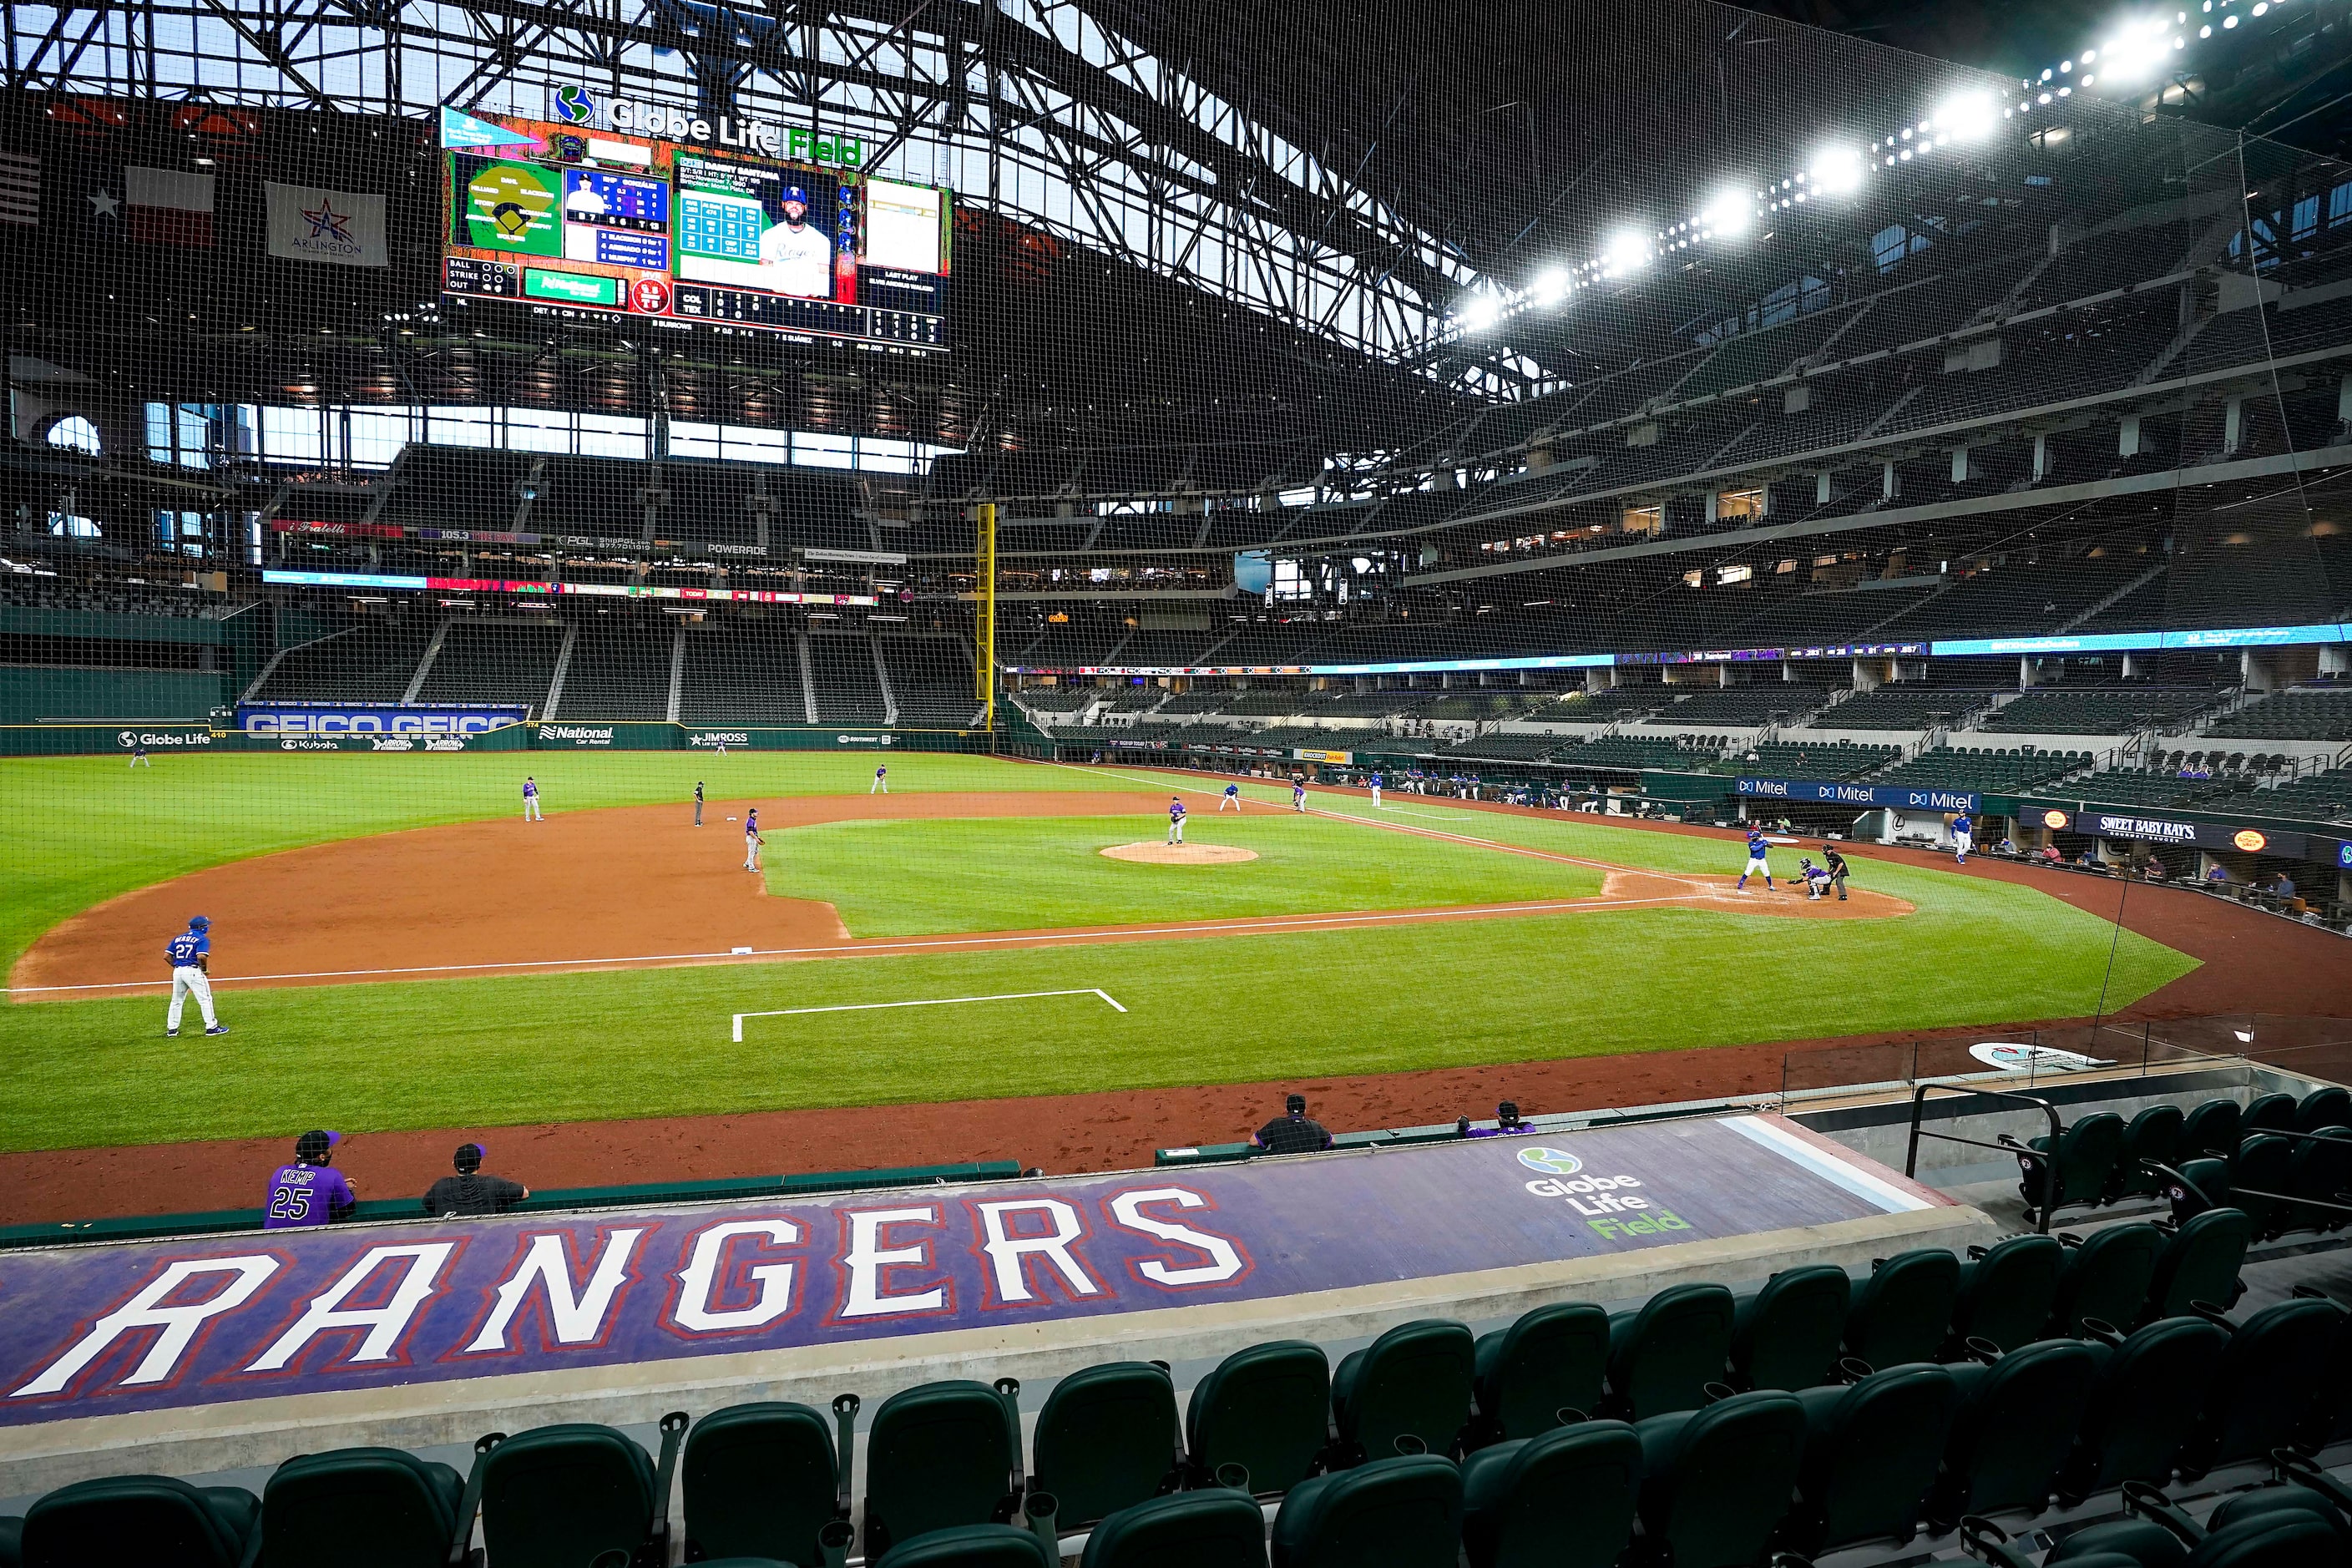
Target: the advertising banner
pixel 305 719
pixel 710 738
pixel 353 1309
pixel 1832 792
pixel 1307 754
pixel 2143 826
pixel 509 738
pixel 84 740
pixel 552 735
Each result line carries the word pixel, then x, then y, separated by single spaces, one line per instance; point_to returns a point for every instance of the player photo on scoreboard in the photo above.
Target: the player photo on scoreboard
pixel 782 230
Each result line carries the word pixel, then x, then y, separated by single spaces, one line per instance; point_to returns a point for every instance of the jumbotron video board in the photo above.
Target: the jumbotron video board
pixel 729 229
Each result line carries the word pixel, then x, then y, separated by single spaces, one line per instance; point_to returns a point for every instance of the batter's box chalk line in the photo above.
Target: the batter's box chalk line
pixel 926 1002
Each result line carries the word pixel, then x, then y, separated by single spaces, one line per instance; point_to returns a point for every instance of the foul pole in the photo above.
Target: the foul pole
pixel 985 666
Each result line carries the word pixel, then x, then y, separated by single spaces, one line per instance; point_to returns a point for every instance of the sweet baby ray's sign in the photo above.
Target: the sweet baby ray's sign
pixel 111 1329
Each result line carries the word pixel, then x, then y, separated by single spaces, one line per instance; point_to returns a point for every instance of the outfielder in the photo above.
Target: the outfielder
pixel 190 954
pixel 1757 846
pixel 139 755
pixel 530 800
pixel 1376 791
pixel 698 803
pixel 1297 793
pixel 1176 819
pixel 1233 797
pixel 753 842
pixel 881 780
pixel 1964 837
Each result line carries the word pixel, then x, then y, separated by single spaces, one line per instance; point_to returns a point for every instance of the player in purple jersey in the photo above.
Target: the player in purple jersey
pixel 1297 793
pixel 881 780
pixel 530 800
pixel 752 841
pixel 1176 819
pixel 311 1191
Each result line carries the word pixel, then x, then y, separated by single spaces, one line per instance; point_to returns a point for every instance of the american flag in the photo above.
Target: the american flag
pixel 20 189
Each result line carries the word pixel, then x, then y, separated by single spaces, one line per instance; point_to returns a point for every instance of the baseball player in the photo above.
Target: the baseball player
pixel 1376 791
pixel 753 842
pixel 530 800
pixel 1817 879
pixel 1964 838
pixel 139 755
pixel 881 780
pixel 1233 797
pixel 1297 793
pixel 1836 863
pixel 1176 819
pixel 191 955
pixel 311 1191
pixel 698 803
pixel 1756 860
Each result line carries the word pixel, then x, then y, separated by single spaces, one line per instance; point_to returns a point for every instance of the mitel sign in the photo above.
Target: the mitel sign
pixel 1831 792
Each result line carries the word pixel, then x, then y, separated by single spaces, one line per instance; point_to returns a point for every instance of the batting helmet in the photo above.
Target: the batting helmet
pixel 200 922
pixel 316 1147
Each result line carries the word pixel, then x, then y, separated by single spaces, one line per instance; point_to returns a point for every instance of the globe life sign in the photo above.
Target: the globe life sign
pixel 574 105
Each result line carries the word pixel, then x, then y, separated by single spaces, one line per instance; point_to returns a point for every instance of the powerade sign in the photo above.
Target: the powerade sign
pixel 1831 792
pixel 303 720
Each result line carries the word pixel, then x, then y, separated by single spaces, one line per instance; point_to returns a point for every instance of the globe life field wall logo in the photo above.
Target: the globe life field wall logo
pixel 1611 1205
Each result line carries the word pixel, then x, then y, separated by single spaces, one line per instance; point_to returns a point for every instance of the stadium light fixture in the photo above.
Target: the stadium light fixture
pixel 1729 213
pixel 1837 171
pixel 1968 116
pixel 1627 250
pixel 1479 311
pixel 1550 286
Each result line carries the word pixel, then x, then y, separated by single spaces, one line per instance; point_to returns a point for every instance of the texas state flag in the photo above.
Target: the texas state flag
pixel 168 207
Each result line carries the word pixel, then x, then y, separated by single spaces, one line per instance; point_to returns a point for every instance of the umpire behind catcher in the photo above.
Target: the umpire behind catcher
pixel 470 1192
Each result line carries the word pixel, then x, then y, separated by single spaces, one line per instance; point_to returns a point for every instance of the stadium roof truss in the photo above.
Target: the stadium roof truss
pixel 1037 108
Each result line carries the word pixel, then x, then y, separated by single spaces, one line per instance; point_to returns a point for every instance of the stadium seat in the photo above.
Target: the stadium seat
pixel 2012 1428
pixel 2276 1527
pixel 1787 1334
pixel 1400 1512
pixel 1715 1483
pixel 2263 1391
pixel 555 1497
pixel 2106 1277
pixel 939 1457
pixel 371 1508
pixel 2319 1176
pixel 2143 1404
pixel 1901 1313
pixel 1414 1381
pixel 765 1480
pixel 2268 1113
pixel 2210 1129
pixel 2153 1135
pixel 2006 1292
pixel 2079 1165
pixel 1550 1360
pixel 971 1546
pixel 1564 1499
pixel 2199 1263
pixel 1214 1527
pixel 155 1522
pixel 2326 1107
pixel 1662 1357
pixel 1266 1409
pixel 2253 1180
pixel 1107 1439
pixel 1871 1453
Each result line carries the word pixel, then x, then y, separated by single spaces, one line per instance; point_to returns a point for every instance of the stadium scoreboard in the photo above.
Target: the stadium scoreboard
pixel 607 227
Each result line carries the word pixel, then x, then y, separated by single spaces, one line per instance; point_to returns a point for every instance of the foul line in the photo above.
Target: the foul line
pixel 931 1002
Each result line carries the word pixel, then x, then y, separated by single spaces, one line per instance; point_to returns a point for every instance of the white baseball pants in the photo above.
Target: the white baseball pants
pixel 188 981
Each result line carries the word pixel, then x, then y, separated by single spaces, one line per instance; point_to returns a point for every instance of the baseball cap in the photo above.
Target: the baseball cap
pixel 469 1158
pixel 312 1146
pixel 794 194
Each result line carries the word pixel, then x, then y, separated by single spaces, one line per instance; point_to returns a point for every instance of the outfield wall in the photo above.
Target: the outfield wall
pixel 119 738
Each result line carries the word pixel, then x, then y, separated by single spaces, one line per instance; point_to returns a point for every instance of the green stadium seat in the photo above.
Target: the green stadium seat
pixel 971 1546
pixel 2210 1129
pixel 939 1457
pixel 2320 1175
pixel 2006 1292
pixel 1902 1312
pixel 1400 1512
pixel 1715 1483
pixel 152 1521
pixel 2143 1404
pixel 2263 1391
pixel 766 1480
pixel 1412 1382
pixel 2268 1113
pixel 1787 1334
pixel 2277 1527
pixel 1266 1409
pixel 1565 1500
pixel 369 1508
pixel 2264 1164
pixel 1215 1528
pixel 1550 1360
pixel 2081 1162
pixel 2201 1263
pixel 2153 1135
pixel 2012 1428
pixel 1107 1439
pixel 1662 1357
pixel 2326 1107
pixel 2106 1277
pixel 556 1496
pixel 1871 1453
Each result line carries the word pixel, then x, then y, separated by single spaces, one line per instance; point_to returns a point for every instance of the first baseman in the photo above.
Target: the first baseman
pixel 530 800
pixel 751 840
pixel 1757 846
pixel 1233 797
pixel 1176 819
pixel 190 954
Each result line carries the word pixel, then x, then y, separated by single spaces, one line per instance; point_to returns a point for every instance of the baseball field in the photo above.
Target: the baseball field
pixel 395 948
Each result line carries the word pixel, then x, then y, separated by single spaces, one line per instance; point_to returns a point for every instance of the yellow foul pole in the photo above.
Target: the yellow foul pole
pixel 987 639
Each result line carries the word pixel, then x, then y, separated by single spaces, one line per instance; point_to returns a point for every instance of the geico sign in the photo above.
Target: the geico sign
pixel 331 724
pixel 129 738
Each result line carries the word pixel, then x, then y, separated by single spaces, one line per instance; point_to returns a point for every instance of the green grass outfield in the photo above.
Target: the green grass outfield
pixel 484 1052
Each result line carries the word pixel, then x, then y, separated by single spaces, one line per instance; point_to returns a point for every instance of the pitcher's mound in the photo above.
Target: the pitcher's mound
pixel 1181 854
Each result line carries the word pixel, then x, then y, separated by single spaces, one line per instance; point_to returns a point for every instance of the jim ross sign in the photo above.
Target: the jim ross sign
pixel 101 1329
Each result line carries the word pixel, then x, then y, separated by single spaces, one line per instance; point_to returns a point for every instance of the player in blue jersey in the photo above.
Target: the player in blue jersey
pixel 190 956
pixel 881 784
pixel 1375 783
pixel 1757 846
pixel 1964 838
pixel 530 800
pixel 311 1191
pixel 1233 797
pixel 753 842
pixel 1176 819
pixel 1297 792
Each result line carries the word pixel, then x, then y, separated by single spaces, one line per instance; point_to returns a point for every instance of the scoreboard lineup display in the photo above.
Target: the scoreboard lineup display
pixel 602 227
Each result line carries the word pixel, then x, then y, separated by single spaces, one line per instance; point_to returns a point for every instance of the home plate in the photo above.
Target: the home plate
pixel 1180 854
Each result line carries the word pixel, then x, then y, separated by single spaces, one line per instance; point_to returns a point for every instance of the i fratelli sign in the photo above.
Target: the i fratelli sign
pixel 571 104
